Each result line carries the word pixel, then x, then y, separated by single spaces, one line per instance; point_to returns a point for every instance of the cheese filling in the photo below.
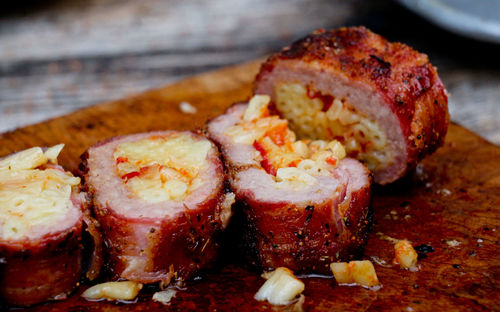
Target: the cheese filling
pixel 318 116
pixel 162 168
pixel 292 163
pixel 33 197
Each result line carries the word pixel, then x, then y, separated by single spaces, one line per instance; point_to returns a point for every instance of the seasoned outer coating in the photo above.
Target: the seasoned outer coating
pixel 307 238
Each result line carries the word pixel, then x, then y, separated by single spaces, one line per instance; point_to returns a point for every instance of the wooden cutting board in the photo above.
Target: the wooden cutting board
pixel 450 205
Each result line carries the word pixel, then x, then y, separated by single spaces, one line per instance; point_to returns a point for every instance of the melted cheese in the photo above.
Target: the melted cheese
pixel 32 197
pixel 362 137
pixel 162 168
pixel 295 163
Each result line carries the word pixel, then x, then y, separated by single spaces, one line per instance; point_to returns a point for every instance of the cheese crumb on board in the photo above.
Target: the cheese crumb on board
pixel 405 254
pixel 164 296
pixel 281 287
pixel 123 290
pixel 355 272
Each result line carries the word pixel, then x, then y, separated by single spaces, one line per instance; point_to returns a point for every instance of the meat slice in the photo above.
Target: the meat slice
pixel 161 200
pixel 384 101
pixel 305 204
pixel 40 228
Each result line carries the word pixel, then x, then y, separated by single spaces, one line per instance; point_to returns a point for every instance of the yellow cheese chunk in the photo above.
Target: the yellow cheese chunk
pixel 405 255
pixel 355 272
pixel 124 290
pixel 280 288
pixel 256 107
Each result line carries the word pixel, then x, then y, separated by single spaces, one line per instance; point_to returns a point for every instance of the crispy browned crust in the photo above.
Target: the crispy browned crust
pixel 306 239
pixel 403 77
pixel 46 269
pixel 178 247
pixel 92 243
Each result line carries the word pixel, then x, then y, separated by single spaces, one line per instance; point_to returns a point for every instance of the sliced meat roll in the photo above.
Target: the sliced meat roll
pixel 40 228
pixel 384 101
pixel 305 204
pixel 160 199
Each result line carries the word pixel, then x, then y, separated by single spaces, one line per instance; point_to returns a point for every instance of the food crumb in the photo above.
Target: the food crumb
pixel 452 243
pixel 405 255
pixel 164 296
pixel 187 108
pixel 355 273
pixel 444 192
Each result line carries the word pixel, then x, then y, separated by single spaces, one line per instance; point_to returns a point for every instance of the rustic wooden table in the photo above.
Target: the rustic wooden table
pixel 59 56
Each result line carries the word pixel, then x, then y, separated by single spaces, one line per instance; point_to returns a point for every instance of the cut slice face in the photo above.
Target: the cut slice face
pixel 162 168
pixel 318 116
pixel 35 200
pixel 292 163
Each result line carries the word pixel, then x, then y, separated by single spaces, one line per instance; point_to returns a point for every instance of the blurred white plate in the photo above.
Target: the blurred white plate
pixel 478 19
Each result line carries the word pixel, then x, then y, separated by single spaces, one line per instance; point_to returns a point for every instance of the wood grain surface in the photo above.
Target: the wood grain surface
pixel 451 203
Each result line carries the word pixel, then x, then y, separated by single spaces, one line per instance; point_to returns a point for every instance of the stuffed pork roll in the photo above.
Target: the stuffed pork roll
pixel 161 200
pixel 305 204
pixel 383 101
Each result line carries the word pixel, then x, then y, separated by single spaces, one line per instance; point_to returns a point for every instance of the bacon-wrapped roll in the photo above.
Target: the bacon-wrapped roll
pixel 305 204
pixel 41 224
pixel 384 101
pixel 160 198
